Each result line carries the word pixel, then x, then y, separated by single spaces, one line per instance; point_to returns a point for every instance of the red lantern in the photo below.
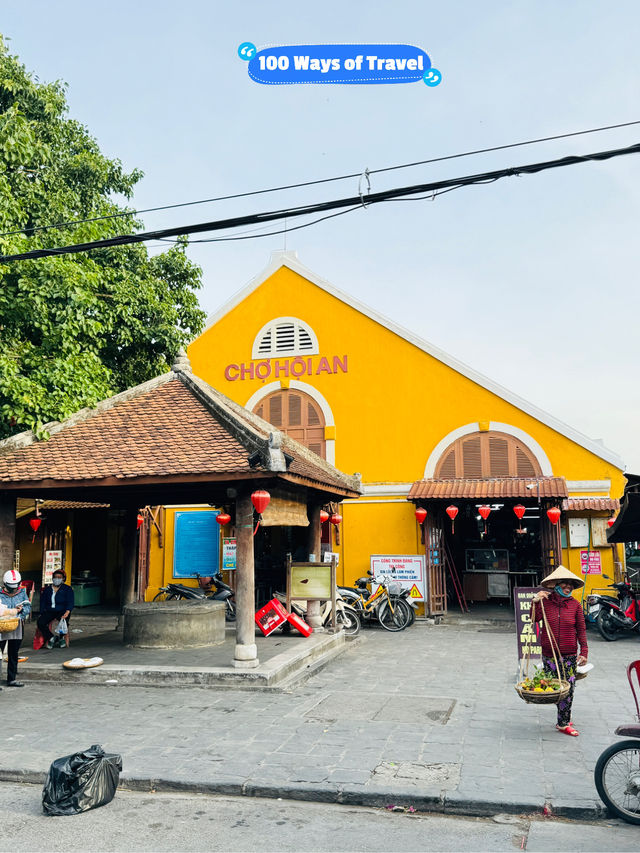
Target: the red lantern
pixel 260 500
pixel 484 512
pixel 421 514
pixel 452 511
pixel 611 522
pixel 553 515
pixel 519 511
pixel 336 519
pixel 139 521
pixel 324 516
pixel 223 518
pixel 34 524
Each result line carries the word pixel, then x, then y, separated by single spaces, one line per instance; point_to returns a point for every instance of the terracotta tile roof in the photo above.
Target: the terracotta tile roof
pixel 596 504
pixel 173 425
pixel 164 431
pixel 504 487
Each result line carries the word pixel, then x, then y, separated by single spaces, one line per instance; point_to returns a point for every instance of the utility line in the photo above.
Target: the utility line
pixel 75 222
pixel 352 201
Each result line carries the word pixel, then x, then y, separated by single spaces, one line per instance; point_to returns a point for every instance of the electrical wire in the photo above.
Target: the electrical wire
pixel 75 222
pixel 371 198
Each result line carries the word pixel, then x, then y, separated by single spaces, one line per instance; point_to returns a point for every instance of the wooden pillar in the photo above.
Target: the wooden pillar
pixel 314 544
pixel 7 534
pixel 129 557
pixel 246 651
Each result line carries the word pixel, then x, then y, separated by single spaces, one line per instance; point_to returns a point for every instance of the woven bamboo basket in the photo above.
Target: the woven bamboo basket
pixel 9 624
pixel 562 685
pixel 561 692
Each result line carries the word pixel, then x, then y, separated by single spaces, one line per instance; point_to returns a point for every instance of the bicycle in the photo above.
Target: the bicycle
pixel 385 604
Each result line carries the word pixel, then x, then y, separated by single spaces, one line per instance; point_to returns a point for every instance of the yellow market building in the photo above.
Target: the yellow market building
pixel 423 430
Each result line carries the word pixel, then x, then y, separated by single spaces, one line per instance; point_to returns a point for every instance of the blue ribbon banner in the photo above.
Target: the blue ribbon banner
pixel 339 63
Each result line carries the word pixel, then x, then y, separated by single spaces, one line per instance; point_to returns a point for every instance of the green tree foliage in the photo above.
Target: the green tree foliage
pixel 76 328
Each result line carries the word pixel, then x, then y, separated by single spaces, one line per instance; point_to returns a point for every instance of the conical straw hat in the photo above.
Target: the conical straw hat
pixel 562 574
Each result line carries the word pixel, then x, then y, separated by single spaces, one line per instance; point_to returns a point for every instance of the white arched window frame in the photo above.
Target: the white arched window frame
pixel 285 336
pixel 261 393
pixel 494 426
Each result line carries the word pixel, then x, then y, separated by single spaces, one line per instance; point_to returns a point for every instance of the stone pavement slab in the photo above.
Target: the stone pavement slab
pixel 427 718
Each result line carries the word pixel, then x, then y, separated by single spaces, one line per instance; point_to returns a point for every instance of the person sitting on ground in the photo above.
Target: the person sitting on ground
pixel 56 602
pixel 566 623
pixel 14 601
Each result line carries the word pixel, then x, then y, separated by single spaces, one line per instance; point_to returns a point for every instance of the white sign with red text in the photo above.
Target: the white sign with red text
pixel 406 569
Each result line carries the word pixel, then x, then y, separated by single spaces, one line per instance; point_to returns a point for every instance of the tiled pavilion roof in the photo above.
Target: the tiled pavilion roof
pixel 497 487
pixel 174 426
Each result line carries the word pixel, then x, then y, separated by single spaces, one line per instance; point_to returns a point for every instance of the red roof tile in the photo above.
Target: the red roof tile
pixel 596 504
pixel 504 487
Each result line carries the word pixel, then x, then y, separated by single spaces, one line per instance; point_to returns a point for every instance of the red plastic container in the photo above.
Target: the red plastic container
pixel 300 624
pixel 271 616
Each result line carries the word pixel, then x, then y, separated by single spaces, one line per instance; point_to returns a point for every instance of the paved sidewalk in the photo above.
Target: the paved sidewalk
pixel 426 718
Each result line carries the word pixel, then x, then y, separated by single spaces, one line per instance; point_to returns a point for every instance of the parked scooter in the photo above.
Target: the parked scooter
pixel 346 616
pixel 212 587
pixel 615 616
pixel 617 771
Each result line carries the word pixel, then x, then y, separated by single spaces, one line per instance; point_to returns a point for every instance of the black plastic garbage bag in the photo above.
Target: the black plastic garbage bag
pixel 82 781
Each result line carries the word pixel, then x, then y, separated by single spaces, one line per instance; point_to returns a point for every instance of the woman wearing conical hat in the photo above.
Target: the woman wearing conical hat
pixel 566 623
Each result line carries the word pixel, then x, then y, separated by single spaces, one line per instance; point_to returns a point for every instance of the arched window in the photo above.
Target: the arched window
pixel 286 336
pixel 296 414
pixel 487 454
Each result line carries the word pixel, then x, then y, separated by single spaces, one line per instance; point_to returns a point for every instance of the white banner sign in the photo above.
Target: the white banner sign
pixel 405 569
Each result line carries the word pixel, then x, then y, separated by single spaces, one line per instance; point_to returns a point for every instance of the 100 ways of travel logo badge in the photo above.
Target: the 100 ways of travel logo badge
pixel 355 64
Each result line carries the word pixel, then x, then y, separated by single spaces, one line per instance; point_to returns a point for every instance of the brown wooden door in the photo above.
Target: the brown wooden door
pixel 436 591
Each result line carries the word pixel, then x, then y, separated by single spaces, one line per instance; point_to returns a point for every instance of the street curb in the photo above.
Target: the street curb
pixel 345 795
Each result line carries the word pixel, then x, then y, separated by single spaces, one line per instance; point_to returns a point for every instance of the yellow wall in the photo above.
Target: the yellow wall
pixel 391 408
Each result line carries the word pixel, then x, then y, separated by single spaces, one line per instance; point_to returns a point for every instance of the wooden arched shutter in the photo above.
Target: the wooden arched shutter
pixel 487 454
pixel 296 414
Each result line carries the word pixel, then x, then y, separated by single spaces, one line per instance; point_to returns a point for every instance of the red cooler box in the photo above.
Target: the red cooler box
pixel 271 616
pixel 300 625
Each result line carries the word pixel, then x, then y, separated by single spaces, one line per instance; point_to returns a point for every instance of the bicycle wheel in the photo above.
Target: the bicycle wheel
pixel 348 618
pixel 617 778
pixel 163 595
pixel 394 614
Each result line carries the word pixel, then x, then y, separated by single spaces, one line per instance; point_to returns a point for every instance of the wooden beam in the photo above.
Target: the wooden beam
pixel 246 650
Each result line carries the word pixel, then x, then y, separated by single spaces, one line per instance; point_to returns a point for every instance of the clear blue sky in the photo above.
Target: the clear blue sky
pixel 531 280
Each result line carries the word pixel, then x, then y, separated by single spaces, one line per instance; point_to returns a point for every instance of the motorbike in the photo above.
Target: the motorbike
pixel 346 616
pixel 212 587
pixel 616 615
pixel 617 771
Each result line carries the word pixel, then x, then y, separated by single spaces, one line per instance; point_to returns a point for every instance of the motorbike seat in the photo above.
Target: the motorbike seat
pixel 196 592
pixel 630 730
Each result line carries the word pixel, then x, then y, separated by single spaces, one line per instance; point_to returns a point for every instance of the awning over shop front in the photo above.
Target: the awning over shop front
pixel 594 504
pixel 626 527
pixel 484 489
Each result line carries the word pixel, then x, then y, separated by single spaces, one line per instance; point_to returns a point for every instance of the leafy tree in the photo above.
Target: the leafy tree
pixel 75 328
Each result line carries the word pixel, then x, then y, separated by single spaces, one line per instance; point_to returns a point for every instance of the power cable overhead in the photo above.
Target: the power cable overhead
pixel 352 201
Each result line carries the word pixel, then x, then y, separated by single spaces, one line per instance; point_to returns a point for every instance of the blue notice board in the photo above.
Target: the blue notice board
pixel 196 544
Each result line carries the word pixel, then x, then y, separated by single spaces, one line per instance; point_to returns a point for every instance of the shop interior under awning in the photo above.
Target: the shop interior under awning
pixel 475 559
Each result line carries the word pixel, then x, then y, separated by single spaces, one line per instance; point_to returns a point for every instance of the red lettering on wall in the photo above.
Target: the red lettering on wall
pixel 228 370
pixel 263 369
pixel 323 366
pixel 282 366
pixel 340 363
pixel 298 367
pixel 246 370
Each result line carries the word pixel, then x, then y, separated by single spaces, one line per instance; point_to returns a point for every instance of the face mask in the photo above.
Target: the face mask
pixel 57 581
pixel 561 592
pixel 12 587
